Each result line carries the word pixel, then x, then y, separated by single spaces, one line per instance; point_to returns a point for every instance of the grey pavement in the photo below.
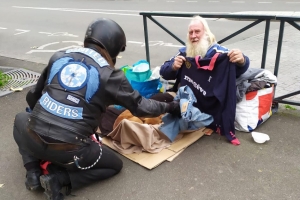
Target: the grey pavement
pixel 211 168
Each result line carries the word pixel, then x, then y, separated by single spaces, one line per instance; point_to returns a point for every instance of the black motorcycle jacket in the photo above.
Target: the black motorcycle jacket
pixel 74 90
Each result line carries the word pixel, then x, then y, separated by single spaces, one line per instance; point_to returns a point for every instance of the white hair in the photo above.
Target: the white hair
pixel 211 36
pixel 205 42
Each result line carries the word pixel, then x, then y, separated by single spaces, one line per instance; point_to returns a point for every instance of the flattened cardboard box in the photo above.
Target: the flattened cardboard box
pixel 150 160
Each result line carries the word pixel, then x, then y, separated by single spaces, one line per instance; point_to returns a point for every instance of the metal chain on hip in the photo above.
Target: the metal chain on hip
pixel 85 168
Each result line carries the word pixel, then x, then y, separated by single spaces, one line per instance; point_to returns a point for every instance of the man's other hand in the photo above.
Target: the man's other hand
pixel 236 56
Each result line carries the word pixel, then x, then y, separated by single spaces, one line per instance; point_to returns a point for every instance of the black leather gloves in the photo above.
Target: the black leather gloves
pixel 174 108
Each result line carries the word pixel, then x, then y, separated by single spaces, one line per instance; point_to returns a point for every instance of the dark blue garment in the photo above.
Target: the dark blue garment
pixel 191 117
pixel 215 91
pixel 168 73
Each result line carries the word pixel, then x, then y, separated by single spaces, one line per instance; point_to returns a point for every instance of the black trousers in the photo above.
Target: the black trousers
pixel 33 148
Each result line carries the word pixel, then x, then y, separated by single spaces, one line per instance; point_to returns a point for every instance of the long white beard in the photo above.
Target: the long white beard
pixel 200 48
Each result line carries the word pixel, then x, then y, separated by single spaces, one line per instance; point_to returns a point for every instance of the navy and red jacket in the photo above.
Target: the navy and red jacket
pixel 168 73
pixel 213 84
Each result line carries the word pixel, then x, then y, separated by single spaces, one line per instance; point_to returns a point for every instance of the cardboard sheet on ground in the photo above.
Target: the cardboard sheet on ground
pixel 150 161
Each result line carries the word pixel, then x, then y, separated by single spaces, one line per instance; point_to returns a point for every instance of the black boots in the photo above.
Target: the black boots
pixel 32 181
pixel 53 182
pixel 52 187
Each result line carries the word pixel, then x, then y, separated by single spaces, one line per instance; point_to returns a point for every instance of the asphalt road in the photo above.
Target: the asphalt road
pixel 211 168
pixel 33 30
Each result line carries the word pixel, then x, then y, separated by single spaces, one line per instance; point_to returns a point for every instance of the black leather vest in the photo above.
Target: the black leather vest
pixel 71 105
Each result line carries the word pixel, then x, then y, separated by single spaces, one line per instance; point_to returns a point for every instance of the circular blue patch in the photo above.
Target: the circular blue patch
pixel 73 76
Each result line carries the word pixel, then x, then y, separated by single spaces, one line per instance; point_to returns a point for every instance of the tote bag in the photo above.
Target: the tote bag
pixel 254 109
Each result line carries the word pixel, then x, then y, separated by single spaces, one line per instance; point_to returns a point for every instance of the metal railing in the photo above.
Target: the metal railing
pixel 243 17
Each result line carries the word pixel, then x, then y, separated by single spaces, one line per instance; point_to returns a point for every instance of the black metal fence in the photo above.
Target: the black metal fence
pixel 256 18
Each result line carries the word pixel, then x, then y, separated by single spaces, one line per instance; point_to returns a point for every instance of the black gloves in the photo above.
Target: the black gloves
pixel 174 108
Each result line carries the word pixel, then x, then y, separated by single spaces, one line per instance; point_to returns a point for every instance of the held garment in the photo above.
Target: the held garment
pixel 212 81
pixel 168 73
pixel 191 118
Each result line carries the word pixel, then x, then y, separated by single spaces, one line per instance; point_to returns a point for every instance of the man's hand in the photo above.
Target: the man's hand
pixel 236 56
pixel 178 60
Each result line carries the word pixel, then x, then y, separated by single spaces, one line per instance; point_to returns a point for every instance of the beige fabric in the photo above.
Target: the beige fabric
pixel 172 93
pixel 142 120
pixel 132 137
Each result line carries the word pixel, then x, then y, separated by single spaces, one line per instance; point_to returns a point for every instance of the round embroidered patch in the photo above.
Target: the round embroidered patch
pixel 188 64
pixel 73 76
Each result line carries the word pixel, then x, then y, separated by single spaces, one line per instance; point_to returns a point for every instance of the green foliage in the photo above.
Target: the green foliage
pixel 3 79
pixel 289 107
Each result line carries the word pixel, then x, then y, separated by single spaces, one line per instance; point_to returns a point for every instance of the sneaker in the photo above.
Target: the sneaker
pixel 52 187
pixel 32 181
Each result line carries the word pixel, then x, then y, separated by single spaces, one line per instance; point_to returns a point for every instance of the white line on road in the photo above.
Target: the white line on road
pixel 42 50
pixel 173 45
pixel 51 51
pixel 93 10
pixel 83 9
pixel 51 48
pixel 108 13
pixel 45 45
pixel 134 42
pixel 156 43
pixel 77 42
pixel 21 31
pixel 44 33
pixel 2 28
pixel 136 11
pixel 59 34
pixel 75 10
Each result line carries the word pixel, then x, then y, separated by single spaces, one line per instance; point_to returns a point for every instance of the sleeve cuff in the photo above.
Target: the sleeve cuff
pixel 242 65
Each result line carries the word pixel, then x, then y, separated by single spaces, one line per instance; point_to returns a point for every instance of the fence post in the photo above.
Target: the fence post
pixel 281 30
pixel 146 38
pixel 265 47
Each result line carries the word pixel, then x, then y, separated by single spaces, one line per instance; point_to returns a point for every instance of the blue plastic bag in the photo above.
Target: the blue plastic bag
pixel 147 88
pixel 138 76
pixel 140 71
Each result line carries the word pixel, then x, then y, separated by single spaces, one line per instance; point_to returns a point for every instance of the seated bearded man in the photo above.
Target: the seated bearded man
pixel 210 70
pixel 201 41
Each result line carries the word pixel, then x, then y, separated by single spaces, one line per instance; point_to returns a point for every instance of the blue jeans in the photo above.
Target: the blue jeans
pixel 191 117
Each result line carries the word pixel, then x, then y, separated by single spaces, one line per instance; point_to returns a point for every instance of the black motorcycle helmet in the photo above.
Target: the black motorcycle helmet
pixel 107 34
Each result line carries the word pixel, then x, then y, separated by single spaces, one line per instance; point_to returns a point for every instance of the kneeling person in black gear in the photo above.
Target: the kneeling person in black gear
pixel 73 90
